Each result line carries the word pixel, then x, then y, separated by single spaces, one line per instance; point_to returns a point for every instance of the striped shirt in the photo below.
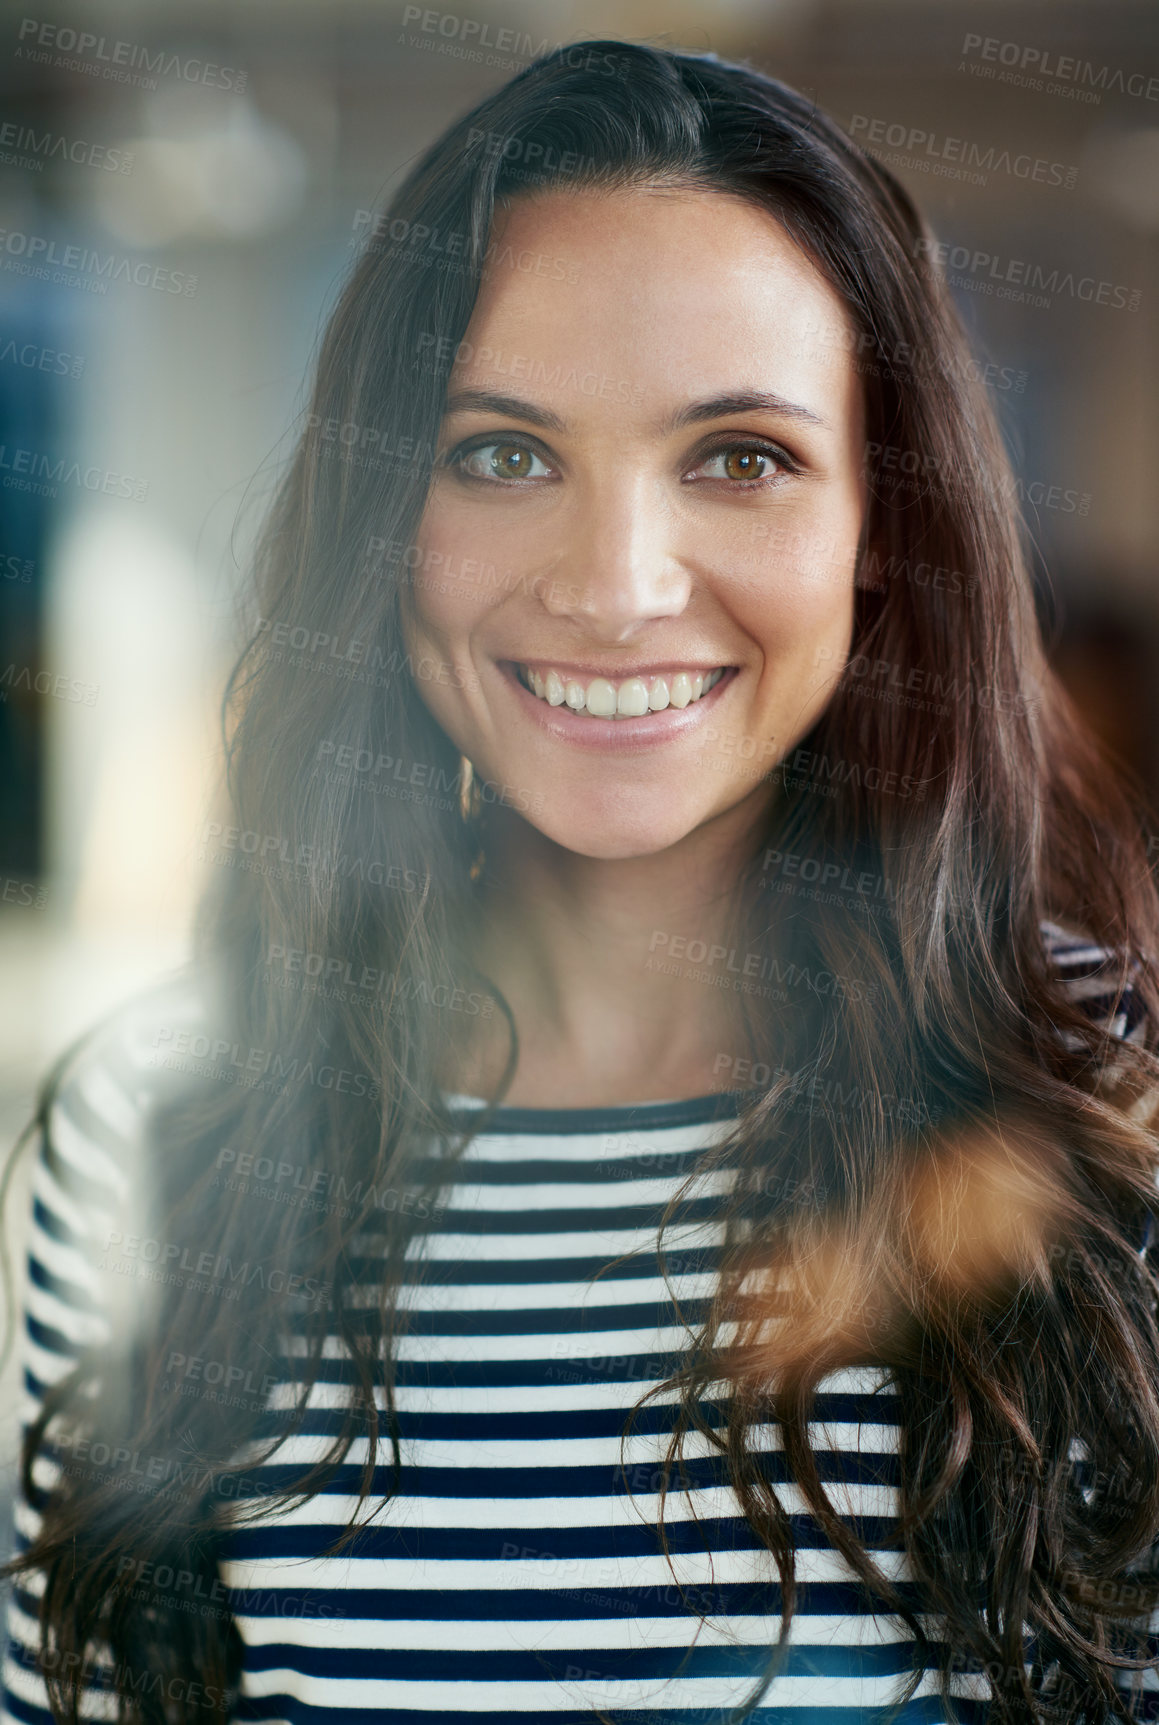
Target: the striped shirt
pixel 516 1571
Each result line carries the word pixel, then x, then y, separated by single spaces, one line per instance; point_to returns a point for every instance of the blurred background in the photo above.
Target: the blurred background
pixel 182 189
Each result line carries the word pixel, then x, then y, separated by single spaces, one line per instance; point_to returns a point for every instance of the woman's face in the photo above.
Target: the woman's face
pixel 649 484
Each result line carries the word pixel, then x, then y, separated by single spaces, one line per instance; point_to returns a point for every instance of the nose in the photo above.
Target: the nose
pixel 620 568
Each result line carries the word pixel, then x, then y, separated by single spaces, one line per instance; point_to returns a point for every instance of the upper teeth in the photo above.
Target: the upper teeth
pixel 626 700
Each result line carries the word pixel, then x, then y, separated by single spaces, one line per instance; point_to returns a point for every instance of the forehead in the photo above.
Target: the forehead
pixel 666 289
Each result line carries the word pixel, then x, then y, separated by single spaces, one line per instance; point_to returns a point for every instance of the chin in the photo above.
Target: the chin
pixel 604 837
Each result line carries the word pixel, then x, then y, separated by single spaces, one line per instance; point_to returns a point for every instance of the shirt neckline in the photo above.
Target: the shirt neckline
pixel 613 1117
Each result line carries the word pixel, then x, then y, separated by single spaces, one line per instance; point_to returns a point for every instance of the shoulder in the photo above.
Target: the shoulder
pixel 90 1186
pixel 99 1098
pixel 1102 981
pixel 1098 978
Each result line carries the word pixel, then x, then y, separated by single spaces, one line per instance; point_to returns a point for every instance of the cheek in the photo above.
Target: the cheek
pixel 792 573
pixel 446 594
pixel 432 616
pixel 801 616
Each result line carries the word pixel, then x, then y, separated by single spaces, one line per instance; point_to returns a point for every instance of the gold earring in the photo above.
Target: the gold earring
pixel 470 807
pixel 470 800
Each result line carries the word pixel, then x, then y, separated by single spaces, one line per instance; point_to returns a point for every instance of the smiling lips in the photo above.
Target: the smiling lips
pixel 629 699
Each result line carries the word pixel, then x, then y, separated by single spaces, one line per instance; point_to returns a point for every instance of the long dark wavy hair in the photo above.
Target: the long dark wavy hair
pixel 983 1246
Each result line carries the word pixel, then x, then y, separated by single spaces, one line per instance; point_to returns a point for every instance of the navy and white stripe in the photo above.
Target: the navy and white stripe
pixel 514 1575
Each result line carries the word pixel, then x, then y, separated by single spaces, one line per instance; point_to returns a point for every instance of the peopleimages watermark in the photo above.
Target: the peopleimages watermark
pixel 1033 68
pixel 357 661
pixel 87 1672
pixel 832 559
pixel 58 686
pixel 153 1578
pixel 725 750
pixel 1023 281
pixel 640 1477
pixel 42 258
pixel 876 572
pixel 450 249
pixel 31 356
pixel 830 882
pixel 33 470
pixel 347 978
pixel 871 357
pixel 121 62
pixel 908 686
pixel 132 1470
pixel 180 1265
pixel 414 566
pixel 13 890
pixel 442 351
pixel 275 854
pixel 369 445
pixel 536 157
pixel 957 158
pixel 260 1068
pixel 231 1380
pixel 745 971
pixel 391 775
pixel 808 1091
pixel 25 147
pixel 812 766
pixel 502 46
pixel 301 1186
pixel 259 850
pixel 16 568
pixel 890 467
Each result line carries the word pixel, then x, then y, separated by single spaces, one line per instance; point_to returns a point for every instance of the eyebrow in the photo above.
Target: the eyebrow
pixel 487 401
pixel 747 401
pixel 695 413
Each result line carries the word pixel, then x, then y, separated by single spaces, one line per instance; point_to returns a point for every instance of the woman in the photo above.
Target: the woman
pixel 641 1212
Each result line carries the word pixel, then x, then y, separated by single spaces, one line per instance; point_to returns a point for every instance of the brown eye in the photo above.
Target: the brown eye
pixel 744 463
pixel 512 460
pixel 502 461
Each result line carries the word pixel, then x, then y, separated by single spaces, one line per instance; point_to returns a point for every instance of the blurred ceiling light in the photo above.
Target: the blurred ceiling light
pixel 1123 167
pixel 238 178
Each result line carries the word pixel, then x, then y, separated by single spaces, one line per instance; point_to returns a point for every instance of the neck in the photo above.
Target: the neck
pixel 577 947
